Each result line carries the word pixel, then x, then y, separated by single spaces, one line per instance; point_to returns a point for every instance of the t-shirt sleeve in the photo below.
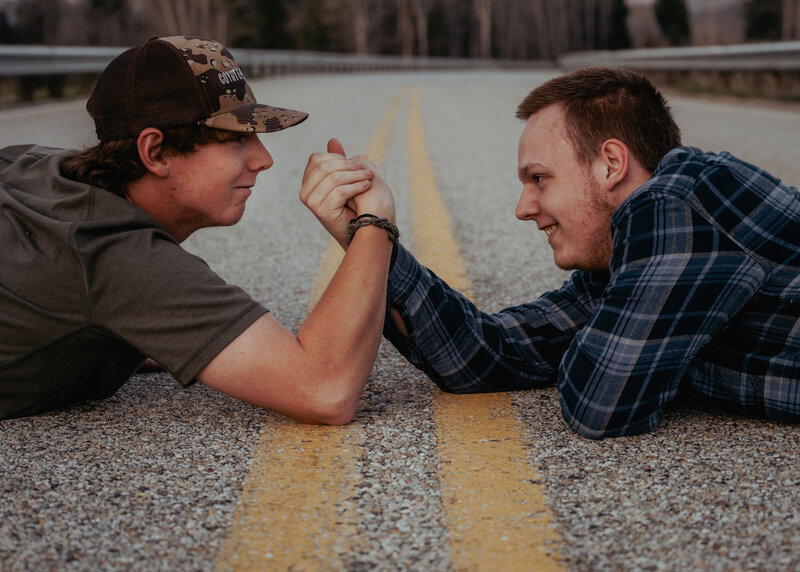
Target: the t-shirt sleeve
pixel 144 288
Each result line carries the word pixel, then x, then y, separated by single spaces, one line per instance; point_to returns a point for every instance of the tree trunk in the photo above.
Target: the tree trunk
pixel 405 28
pixel 360 19
pixel 421 10
pixel 791 20
pixel 483 11
pixel 174 17
pixel 456 30
pixel 590 23
pixel 539 25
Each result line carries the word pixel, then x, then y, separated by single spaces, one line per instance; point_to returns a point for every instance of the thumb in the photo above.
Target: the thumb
pixel 334 146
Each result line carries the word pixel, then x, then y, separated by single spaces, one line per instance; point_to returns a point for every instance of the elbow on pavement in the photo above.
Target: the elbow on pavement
pixel 591 428
pixel 334 403
pixel 590 432
pixel 602 429
pixel 335 414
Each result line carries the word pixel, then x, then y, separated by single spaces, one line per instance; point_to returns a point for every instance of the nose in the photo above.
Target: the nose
pixel 259 157
pixel 528 204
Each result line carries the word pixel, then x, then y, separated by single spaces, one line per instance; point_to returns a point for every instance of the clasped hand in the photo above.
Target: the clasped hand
pixel 337 189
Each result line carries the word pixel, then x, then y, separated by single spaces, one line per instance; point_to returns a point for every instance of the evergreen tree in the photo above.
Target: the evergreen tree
pixel 764 19
pixel 261 24
pixel 30 27
pixel 8 33
pixel 618 37
pixel 673 18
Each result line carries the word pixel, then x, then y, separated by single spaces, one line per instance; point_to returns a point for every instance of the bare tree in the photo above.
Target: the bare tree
pixel 590 24
pixel 791 20
pixel 510 31
pixel 605 13
pixel 483 12
pixel 200 17
pixel 541 28
pixel 360 11
pixel 39 21
pixel 557 30
pixel 456 18
pixel 521 29
pixel 538 27
pixel 421 10
pixel 575 24
pixel 360 19
pixel 405 28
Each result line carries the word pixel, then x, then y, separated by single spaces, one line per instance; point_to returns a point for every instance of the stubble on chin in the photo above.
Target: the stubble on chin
pixel 599 246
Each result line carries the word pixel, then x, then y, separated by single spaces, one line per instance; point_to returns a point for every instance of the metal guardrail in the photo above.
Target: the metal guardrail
pixel 25 60
pixel 776 56
pixel 736 68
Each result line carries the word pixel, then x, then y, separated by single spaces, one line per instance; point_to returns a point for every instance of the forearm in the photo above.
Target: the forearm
pixel 342 333
pixel 465 350
pixel 316 376
pixel 341 336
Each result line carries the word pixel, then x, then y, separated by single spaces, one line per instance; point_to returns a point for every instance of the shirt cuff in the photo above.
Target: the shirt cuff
pixel 404 275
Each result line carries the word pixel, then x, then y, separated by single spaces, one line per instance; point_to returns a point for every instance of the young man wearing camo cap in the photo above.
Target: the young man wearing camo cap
pixel 93 279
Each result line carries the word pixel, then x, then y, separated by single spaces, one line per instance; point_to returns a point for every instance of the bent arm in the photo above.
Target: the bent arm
pixel 318 375
pixel 464 350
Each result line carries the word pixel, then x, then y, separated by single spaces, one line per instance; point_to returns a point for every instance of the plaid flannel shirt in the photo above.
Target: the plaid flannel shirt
pixel 702 294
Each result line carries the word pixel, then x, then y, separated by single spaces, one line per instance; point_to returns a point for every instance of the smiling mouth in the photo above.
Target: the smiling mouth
pixel 550 229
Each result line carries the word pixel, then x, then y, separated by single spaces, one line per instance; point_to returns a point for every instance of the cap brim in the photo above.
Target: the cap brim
pixel 256 118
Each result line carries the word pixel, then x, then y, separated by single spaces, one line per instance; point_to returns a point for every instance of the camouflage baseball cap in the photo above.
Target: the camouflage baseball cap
pixel 177 81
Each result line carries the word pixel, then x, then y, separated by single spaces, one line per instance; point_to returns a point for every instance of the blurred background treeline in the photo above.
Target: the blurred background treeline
pixel 508 29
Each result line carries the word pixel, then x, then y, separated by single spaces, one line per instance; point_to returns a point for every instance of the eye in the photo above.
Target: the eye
pixel 536 179
pixel 236 138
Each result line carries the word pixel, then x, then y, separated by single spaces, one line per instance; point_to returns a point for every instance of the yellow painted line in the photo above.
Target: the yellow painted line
pixel 294 510
pixel 494 503
pixel 434 243
pixel 293 513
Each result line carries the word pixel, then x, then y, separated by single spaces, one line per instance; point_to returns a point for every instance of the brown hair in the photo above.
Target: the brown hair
pixel 111 165
pixel 604 103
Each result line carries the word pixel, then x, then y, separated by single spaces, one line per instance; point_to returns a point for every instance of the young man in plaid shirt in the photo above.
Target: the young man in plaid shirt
pixel 687 271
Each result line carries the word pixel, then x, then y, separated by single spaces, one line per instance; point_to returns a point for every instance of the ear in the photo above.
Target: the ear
pixel 614 161
pixel 149 147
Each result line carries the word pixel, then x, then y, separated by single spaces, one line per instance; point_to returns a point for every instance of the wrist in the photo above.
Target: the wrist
pixel 368 219
pixel 388 214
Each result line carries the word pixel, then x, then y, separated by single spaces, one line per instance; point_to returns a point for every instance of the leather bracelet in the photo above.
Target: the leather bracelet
pixel 370 219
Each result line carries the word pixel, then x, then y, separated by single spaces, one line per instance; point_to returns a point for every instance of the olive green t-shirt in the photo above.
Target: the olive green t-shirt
pixel 90 284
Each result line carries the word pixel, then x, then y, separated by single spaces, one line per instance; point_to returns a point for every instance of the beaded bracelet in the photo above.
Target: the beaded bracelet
pixel 367 219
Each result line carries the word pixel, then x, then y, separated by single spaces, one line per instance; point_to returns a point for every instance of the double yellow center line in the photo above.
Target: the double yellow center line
pixel 494 508
pixel 296 510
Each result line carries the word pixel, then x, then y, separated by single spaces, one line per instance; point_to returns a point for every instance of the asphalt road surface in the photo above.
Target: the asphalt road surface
pixel 159 478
